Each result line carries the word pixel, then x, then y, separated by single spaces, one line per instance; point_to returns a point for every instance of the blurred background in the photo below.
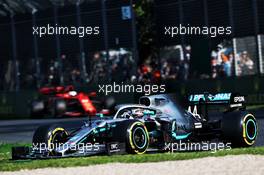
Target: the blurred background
pixel 131 48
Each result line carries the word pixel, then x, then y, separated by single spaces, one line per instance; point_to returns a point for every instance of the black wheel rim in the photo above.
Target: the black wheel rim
pixel 59 137
pixel 251 129
pixel 139 137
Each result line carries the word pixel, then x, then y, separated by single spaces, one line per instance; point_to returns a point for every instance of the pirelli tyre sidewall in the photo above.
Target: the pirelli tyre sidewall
pixel 240 128
pixel 134 134
pixel 50 136
pixel 137 138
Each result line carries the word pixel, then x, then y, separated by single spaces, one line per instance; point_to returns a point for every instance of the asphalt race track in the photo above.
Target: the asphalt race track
pixel 21 131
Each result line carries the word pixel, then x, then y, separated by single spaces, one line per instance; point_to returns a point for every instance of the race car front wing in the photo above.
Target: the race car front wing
pixel 23 152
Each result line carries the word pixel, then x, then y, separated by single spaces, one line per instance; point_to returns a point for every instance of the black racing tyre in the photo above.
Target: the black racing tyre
pixel 134 134
pixel 37 108
pixel 240 128
pixel 58 108
pixel 49 137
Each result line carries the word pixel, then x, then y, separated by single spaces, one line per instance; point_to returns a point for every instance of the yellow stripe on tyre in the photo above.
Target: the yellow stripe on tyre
pixel 51 134
pixel 244 130
pixel 130 136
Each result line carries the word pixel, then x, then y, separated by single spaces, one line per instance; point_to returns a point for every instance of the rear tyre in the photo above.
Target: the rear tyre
pixel 134 134
pixel 58 108
pixel 240 128
pixel 49 137
pixel 37 108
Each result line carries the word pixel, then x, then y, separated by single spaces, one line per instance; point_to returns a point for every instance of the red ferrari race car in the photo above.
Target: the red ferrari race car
pixel 66 101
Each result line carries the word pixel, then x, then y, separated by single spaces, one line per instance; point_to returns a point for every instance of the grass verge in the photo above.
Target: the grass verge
pixel 255 107
pixel 8 165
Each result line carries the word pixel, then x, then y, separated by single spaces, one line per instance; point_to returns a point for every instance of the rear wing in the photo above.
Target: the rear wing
pixel 233 100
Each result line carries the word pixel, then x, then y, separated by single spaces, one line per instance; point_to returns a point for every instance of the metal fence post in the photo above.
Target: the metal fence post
pixel 81 44
pixel 206 22
pixel 14 52
pixel 105 30
pixel 181 15
pixel 257 39
pixel 134 38
pixel 260 43
pixel 231 22
pixel 35 47
pixel 58 46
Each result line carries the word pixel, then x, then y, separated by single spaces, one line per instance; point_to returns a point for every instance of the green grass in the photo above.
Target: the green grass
pixel 255 107
pixel 9 165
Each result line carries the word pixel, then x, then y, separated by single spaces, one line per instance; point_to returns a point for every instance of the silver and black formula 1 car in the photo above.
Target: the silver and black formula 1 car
pixel 149 125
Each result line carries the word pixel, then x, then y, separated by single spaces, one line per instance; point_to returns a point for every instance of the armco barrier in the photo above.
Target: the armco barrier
pixel 15 104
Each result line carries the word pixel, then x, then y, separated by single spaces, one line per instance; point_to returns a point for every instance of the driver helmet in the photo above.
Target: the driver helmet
pixel 138 112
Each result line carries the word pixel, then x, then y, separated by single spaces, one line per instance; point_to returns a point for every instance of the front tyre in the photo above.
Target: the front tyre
pixel 240 128
pixel 49 136
pixel 138 138
pixel 134 133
